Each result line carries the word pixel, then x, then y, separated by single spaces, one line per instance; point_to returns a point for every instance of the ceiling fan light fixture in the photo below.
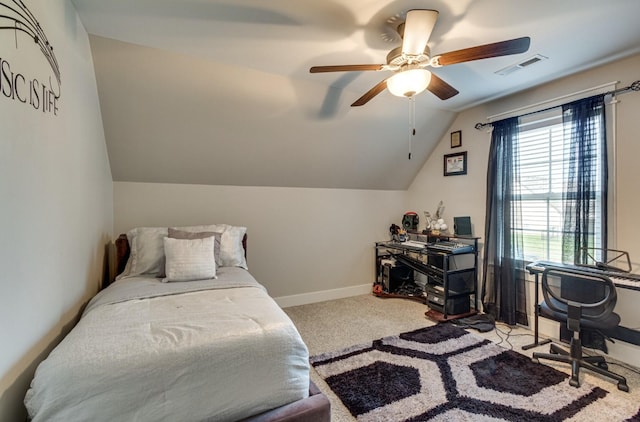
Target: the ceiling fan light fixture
pixel 409 82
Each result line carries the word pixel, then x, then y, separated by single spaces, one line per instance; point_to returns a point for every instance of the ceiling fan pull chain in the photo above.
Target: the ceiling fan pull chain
pixel 412 122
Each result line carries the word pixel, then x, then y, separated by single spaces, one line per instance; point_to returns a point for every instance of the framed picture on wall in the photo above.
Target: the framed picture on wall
pixel 455 164
pixel 456 139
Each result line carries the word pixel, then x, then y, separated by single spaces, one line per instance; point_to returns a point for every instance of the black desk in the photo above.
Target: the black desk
pixel 450 284
pixel 621 280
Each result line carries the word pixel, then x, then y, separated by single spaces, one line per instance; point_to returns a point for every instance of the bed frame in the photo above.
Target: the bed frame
pixel 315 408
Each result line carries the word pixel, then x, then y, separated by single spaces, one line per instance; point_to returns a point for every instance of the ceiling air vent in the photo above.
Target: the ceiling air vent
pixel 527 62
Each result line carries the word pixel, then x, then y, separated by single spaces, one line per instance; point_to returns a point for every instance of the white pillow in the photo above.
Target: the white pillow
pixel 146 251
pixel 189 259
pixel 231 250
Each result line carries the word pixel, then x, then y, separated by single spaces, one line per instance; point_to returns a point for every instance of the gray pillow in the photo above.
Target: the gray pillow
pixel 182 234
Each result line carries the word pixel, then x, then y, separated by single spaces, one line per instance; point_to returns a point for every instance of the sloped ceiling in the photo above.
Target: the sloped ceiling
pixel 219 92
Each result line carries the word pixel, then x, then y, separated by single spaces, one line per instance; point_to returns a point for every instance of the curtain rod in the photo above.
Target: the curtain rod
pixel 635 86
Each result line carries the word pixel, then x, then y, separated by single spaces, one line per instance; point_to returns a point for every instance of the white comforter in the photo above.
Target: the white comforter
pixel 218 355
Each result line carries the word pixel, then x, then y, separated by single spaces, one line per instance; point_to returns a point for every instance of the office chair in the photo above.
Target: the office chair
pixel 582 300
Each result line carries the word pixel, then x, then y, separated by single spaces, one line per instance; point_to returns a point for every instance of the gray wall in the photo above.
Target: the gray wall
pixel 301 241
pixel 56 200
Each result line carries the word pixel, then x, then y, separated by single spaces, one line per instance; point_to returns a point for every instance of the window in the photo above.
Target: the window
pixel 543 155
pixel 546 198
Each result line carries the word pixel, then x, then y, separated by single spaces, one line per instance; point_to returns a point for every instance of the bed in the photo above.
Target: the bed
pixel 176 337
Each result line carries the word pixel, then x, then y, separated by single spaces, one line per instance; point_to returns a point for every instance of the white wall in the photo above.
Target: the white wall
pixel 300 240
pixel 55 200
pixel 466 195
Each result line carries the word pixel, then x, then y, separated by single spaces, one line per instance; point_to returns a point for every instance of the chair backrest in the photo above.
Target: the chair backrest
pixel 595 294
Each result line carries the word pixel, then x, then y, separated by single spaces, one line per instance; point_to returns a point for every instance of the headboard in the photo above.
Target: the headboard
pixel 123 250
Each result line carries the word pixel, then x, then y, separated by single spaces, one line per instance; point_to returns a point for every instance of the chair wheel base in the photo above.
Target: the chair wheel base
pixel 595 364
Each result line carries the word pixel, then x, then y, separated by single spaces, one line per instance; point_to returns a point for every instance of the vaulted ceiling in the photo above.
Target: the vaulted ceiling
pixel 219 92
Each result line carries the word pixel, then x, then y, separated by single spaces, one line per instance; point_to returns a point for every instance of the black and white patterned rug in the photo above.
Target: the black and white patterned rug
pixel 444 373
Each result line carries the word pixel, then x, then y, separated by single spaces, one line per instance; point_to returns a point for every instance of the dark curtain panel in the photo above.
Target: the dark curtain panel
pixel 586 175
pixel 503 285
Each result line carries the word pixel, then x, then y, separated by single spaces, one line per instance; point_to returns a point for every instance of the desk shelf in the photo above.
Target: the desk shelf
pixel 451 278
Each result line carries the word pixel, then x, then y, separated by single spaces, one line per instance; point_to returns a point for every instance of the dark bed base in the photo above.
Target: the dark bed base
pixel 315 408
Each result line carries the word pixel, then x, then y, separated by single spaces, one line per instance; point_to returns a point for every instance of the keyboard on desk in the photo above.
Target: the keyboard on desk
pixel 450 247
pixel 619 278
pixel 414 244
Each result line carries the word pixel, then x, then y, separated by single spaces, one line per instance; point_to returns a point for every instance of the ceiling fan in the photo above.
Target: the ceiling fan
pixel 410 60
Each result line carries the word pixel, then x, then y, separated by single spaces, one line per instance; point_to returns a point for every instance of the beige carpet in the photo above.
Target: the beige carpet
pixel 334 325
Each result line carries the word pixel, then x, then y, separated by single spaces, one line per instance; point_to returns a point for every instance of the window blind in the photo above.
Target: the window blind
pixel 543 159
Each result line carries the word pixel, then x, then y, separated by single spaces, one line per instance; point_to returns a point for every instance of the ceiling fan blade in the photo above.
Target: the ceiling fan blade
pixel 417 30
pixel 370 94
pixel 502 48
pixel 346 68
pixel 440 88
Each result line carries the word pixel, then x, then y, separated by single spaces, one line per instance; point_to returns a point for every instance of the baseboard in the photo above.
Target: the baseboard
pixel 323 295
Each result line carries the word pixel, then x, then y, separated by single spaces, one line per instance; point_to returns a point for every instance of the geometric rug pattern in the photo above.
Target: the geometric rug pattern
pixel 444 373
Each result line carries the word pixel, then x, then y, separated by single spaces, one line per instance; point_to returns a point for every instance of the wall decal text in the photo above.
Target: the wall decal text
pixel 14 83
